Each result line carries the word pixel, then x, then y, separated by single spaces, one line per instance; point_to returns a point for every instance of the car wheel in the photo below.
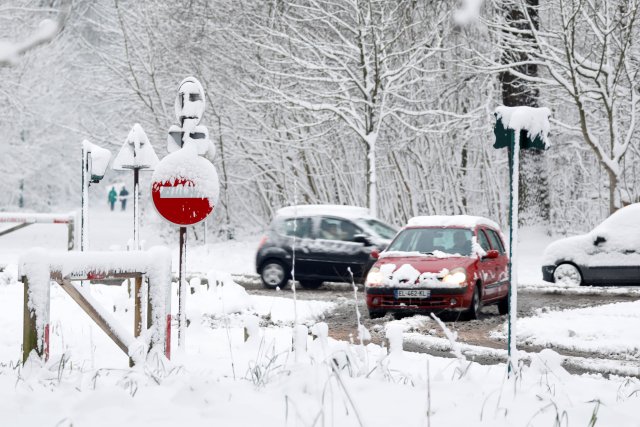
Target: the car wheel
pixel 274 275
pixel 568 275
pixel 503 305
pixel 473 312
pixel 376 314
pixel 311 284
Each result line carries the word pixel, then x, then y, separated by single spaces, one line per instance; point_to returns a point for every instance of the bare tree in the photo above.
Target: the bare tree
pixel 588 55
pixel 360 62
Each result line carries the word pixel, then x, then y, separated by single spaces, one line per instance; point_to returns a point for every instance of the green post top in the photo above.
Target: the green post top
pixel 505 137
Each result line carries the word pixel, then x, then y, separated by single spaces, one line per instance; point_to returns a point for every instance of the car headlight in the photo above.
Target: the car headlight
pixel 457 276
pixel 374 278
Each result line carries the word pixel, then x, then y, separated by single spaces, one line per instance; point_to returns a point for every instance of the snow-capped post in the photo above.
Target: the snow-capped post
pixel 517 128
pixel 94 165
pixel 185 185
pixel 136 154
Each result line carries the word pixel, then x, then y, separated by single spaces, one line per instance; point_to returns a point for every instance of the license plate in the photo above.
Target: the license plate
pixel 412 293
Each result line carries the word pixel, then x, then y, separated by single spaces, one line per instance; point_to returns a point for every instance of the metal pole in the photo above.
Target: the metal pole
pixel 84 219
pixel 182 288
pixel 514 172
pixel 204 239
pixel 136 209
pixel 137 312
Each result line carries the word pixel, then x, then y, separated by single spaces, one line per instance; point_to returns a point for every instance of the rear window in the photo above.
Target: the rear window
pixel 429 240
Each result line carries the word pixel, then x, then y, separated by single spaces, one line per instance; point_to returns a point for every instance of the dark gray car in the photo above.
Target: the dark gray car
pixel 328 241
pixel 608 255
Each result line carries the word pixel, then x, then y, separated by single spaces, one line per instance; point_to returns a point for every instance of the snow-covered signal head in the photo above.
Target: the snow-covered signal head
pixel 189 103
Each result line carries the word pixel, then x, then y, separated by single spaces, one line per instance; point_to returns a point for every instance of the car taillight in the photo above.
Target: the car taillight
pixel 262 242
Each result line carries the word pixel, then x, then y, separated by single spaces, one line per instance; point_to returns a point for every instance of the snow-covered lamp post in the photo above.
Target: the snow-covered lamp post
pixel 136 154
pixel 518 128
pixel 94 165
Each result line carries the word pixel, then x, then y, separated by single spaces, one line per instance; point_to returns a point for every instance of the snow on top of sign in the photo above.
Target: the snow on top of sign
pixel 99 157
pixel 534 120
pixel 313 210
pixel 186 164
pixel 468 12
pixel 464 221
pixel 189 108
pixel 136 152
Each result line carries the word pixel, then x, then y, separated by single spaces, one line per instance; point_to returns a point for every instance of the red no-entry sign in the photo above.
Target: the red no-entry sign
pixel 180 202
pixel 184 188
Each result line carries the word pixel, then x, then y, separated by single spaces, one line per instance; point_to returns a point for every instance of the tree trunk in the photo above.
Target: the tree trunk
pixel 535 206
pixel 614 197
pixel 372 190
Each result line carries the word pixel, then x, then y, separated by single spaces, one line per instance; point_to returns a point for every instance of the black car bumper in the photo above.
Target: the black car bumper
pixel 547 273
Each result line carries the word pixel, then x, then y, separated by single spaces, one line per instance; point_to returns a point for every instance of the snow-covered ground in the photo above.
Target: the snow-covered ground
pixel 611 329
pixel 220 379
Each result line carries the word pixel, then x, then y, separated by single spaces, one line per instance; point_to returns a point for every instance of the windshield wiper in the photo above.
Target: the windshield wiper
pixel 426 253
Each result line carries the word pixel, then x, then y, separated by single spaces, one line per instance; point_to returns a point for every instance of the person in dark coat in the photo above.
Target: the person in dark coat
pixel 113 196
pixel 124 194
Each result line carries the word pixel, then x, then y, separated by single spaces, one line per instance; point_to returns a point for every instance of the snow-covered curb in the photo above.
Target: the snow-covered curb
pixel 552 288
pixel 602 366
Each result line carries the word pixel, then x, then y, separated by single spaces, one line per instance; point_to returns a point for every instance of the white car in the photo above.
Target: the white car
pixel 608 255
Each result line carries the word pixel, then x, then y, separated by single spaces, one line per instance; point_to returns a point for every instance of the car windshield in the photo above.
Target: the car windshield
pixel 380 228
pixel 429 240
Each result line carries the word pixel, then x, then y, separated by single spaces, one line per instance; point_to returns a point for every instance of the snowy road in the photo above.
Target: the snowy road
pixel 342 320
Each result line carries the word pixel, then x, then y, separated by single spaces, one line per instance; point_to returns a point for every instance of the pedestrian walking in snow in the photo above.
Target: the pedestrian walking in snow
pixel 113 196
pixel 124 194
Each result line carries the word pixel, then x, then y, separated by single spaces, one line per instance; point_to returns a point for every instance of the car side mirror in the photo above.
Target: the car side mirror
pixel 598 240
pixel 492 254
pixel 375 254
pixel 361 238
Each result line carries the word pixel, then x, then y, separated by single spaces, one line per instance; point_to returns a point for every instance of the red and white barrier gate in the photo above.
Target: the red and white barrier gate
pixel 25 219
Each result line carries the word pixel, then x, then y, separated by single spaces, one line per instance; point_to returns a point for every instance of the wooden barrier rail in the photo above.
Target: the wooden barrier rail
pixel 152 303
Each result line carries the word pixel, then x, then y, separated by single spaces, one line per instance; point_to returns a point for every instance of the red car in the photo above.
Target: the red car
pixel 440 263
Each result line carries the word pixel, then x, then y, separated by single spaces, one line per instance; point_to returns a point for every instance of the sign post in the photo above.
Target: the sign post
pixel 136 154
pixel 185 186
pixel 94 165
pixel 517 128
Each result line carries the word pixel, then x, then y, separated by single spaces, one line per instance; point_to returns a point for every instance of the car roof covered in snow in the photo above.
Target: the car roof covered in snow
pixel 465 221
pixel 329 210
pixel 626 217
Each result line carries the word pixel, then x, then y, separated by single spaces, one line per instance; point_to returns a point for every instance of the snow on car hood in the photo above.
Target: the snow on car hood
pixel 568 249
pixel 424 271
